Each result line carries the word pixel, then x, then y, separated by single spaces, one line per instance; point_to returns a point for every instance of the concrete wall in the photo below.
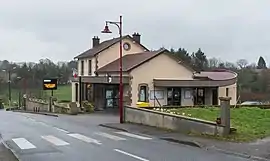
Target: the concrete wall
pixel 111 54
pixel 170 121
pixel 232 93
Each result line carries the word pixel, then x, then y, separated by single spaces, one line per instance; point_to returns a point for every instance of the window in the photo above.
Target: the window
pixel 142 94
pixel 89 67
pixel 200 92
pixel 76 92
pixel 227 92
pixel 82 67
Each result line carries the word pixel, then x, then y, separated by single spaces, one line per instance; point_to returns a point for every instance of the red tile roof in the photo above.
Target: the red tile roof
pixel 103 46
pixel 130 61
pixel 217 75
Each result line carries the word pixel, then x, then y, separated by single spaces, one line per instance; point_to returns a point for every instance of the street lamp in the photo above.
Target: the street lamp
pixel 9 84
pixel 107 30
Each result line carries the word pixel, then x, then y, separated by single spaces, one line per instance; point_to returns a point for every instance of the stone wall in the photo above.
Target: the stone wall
pixel 41 105
pixel 171 121
pixel 38 105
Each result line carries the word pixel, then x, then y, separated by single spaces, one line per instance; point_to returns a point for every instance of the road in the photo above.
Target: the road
pixel 79 138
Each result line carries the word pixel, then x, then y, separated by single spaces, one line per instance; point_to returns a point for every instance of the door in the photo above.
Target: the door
pixel 109 98
pixel 174 96
pixel 112 96
pixel 215 96
pixel 200 96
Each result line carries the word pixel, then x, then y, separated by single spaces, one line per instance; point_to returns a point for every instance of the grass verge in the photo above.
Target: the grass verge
pixel 62 93
pixel 251 123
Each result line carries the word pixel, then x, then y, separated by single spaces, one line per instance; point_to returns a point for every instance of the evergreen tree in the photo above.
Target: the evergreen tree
pixel 261 63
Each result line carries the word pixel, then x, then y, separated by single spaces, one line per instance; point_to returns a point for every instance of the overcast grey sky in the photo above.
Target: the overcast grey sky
pixel 61 29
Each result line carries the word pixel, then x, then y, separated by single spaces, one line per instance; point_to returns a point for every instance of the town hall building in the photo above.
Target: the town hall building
pixel 155 77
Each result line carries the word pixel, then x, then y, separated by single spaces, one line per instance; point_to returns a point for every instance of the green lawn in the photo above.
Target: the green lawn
pixel 62 93
pixel 251 123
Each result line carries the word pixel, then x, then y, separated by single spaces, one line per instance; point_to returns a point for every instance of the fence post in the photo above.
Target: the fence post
pixel 225 114
pixel 19 103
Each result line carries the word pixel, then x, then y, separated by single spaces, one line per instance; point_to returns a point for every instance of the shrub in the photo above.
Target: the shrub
pixel 88 106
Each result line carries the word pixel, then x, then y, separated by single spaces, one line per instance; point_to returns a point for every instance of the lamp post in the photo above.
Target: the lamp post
pixel 9 84
pixel 107 30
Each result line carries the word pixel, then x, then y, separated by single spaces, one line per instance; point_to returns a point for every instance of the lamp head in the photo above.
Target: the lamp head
pixel 106 29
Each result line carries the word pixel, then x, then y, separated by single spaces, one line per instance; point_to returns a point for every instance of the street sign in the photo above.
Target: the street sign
pixel 49 84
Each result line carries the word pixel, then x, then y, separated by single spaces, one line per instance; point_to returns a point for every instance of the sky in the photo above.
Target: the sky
pixel 61 29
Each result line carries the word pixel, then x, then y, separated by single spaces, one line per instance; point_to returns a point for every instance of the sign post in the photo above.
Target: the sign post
pixel 50 84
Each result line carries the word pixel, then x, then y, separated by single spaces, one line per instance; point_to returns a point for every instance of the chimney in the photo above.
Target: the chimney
pixel 137 37
pixel 95 41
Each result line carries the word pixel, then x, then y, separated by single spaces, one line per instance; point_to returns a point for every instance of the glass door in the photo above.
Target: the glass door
pixel 199 96
pixel 174 96
pixel 109 98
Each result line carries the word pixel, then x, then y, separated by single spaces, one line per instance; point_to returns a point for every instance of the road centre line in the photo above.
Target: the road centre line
pixel 62 130
pixel 131 155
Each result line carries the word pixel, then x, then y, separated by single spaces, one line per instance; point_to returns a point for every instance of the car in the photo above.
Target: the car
pixel 251 103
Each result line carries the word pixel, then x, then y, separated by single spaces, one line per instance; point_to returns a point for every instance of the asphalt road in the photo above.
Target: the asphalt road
pixel 79 138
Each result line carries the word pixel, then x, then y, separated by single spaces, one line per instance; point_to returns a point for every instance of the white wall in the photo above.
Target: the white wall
pixel 86 65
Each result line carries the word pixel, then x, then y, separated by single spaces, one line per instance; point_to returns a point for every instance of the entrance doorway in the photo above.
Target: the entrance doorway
pixel 199 96
pixel 215 96
pixel 174 96
pixel 111 96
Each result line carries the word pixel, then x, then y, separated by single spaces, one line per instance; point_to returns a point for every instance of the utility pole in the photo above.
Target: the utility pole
pixel 9 88
pixel 107 30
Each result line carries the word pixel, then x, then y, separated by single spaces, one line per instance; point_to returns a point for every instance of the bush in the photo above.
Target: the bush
pixel 88 106
pixel 2 105
pixel 16 104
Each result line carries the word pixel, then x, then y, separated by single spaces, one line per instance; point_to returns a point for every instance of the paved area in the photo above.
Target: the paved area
pixel 68 138
pixel 6 154
pixel 259 149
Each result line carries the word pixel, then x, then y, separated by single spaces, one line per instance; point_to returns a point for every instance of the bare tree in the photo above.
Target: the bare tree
pixel 213 62
pixel 230 65
pixel 242 63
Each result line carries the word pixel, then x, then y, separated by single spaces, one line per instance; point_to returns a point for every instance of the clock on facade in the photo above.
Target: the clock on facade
pixel 126 46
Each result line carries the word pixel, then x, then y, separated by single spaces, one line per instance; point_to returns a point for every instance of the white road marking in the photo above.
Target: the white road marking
pixel 131 155
pixel 117 138
pixel 133 135
pixel 31 119
pixel 23 143
pixel 84 138
pixel 42 123
pixel 62 130
pixel 54 140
